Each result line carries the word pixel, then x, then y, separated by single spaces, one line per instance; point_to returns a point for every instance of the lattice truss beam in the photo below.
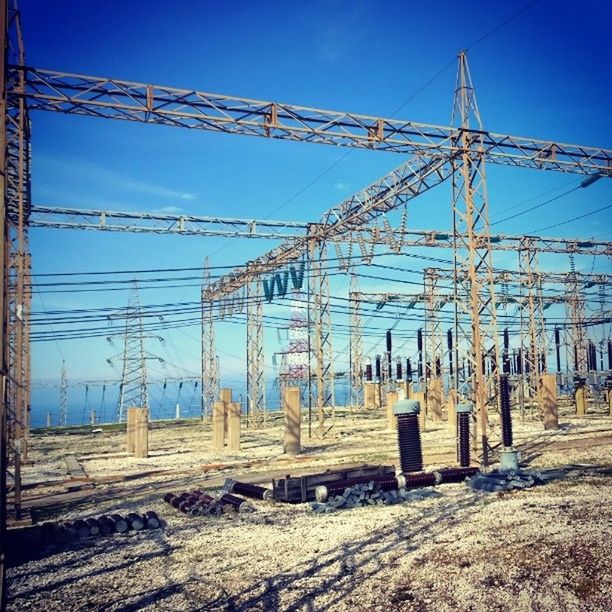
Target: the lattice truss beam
pixel 131 101
pixel 379 233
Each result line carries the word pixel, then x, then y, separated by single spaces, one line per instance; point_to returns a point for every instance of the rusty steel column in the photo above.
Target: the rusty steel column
pixel 357 392
pixel 475 323
pixel 533 339
pixel 256 415
pixel 320 324
pixel 210 378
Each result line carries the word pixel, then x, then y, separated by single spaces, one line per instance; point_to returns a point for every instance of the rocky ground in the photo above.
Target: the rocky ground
pixel 448 548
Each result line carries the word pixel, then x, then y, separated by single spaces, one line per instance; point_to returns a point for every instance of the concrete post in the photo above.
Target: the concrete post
pixel 141 437
pixel 372 395
pixel 580 396
pixel 548 391
pixel 434 399
pixel 391 418
pixel 219 425
pixel 131 430
pixel 451 409
pixel 233 422
pixel 226 398
pixel 291 409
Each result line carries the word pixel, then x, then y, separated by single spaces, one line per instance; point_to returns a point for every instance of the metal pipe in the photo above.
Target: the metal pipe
pixel 247 489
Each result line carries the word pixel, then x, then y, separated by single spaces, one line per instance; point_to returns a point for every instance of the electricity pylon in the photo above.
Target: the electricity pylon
pixel 63 397
pixel 133 388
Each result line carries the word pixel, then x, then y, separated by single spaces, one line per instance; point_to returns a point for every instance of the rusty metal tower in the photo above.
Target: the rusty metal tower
pixel 133 387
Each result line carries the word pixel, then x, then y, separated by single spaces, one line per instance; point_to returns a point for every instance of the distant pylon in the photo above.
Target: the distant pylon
pixel 133 388
pixel 63 397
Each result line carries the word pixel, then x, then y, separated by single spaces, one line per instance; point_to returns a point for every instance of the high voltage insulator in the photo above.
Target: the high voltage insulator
pixel 368 371
pixel 589 180
pixel 420 353
pixel 378 369
pixel 409 368
pixel 558 348
pixel 389 348
pixel 505 354
pixel 609 354
pixel 449 343
pixel 398 370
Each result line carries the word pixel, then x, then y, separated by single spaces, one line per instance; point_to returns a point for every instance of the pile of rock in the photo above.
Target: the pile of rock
pixel 360 495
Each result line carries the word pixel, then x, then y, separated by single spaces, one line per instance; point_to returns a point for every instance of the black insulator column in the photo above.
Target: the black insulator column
pixel 506 417
pixel 609 354
pixel 449 344
pixel 409 435
pixel 519 361
pixel 463 434
pixel 420 353
pixel 389 345
pixel 438 367
pixel 368 371
pixel 398 370
pixel 506 352
pixel 378 372
pixel 408 370
pixel 558 348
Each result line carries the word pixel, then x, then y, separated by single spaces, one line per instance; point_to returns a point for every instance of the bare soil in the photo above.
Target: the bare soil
pixel 448 548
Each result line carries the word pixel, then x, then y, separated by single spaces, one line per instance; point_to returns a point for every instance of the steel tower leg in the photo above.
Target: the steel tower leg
pixel 255 356
pixel 533 336
pixel 210 378
pixel 476 329
pixel 321 326
pixel 576 333
pixel 356 345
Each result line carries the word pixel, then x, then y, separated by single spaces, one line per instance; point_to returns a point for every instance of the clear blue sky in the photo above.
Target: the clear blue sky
pixel 545 74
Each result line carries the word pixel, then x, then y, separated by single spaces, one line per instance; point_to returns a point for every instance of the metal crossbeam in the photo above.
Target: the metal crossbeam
pixel 79 94
pixel 56 217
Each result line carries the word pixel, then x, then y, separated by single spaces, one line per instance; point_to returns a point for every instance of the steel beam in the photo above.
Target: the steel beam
pixel 78 94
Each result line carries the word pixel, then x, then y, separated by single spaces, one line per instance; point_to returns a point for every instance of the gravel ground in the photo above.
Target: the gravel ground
pixel 448 548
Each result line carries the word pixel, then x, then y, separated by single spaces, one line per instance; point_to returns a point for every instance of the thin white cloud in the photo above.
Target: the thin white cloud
pixel 100 175
pixel 341 186
pixel 171 210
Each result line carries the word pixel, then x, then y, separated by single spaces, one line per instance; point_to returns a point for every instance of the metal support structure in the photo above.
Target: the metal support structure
pixel 133 391
pixel 144 222
pixel 533 335
pixel 255 356
pixel 577 340
pixel 476 333
pixel 210 376
pixel 92 96
pixel 356 348
pixel 320 327
pixel 434 347
pixel 63 397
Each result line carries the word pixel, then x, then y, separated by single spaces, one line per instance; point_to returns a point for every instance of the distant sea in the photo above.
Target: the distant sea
pixel 162 402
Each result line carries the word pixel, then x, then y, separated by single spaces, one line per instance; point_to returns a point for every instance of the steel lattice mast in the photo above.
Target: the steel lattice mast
pixel 133 388
pixel 210 377
pixel 63 396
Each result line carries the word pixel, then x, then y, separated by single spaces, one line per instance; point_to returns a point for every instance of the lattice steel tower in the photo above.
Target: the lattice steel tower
pixel 133 389
pixel 63 397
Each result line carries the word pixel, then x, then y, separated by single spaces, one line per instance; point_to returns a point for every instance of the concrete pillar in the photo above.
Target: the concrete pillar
pixel 226 398
pixel 233 424
pixel 548 391
pixel 372 395
pixel 580 396
pixel 451 409
pixel 141 435
pixel 419 396
pixel 434 399
pixel 291 410
pixel 391 418
pixel 219 425
pixel 131 430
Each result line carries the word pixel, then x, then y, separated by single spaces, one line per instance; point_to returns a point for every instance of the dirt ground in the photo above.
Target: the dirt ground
pixel 448 548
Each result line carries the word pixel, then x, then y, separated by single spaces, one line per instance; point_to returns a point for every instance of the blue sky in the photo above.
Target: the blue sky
pixel 545 74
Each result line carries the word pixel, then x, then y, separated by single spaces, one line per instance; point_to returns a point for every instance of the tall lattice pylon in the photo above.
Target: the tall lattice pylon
pixel 210 374
pixel 356 345
pixel 63 397
pixel 133 388
pixel 475 317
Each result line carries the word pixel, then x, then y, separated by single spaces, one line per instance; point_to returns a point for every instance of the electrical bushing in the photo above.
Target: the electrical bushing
pixel 506 417
pixel 463 433
pixel 409 435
